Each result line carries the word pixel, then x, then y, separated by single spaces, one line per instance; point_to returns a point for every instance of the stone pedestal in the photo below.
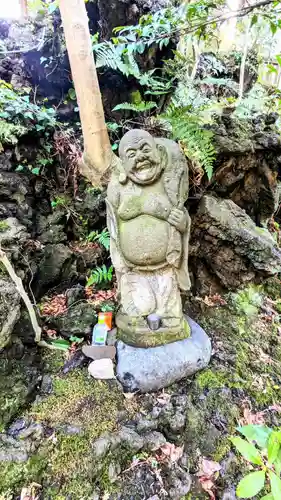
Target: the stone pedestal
pixel 150 369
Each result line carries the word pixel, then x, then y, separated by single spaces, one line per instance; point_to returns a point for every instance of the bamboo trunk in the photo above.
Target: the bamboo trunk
pixel 97 149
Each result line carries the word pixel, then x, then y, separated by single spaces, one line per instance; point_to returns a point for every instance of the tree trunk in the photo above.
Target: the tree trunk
pixel 97 149
pixel 24 9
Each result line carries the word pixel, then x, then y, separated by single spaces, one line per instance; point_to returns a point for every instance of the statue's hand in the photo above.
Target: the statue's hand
pixel 178 219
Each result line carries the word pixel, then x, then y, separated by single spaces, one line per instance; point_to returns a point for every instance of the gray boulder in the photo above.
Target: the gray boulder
pixel 151 369
pixel 232 247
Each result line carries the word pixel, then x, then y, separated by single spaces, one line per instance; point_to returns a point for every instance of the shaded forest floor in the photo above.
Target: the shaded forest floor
pixel 68 436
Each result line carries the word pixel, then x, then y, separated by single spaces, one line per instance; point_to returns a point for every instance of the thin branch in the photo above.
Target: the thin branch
pixel 19 286
pixel 243 63
pixel 218 19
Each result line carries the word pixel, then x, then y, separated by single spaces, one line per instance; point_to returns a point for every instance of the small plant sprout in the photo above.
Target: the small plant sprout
pixel 261 448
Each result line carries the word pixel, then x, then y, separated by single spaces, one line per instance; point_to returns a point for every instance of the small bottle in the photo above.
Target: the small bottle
pixel 100 331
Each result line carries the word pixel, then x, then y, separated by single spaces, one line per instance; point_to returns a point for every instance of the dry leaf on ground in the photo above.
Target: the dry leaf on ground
pixel 54 306
pixel 208 472
pixel 208 485
pixel 213 300
pixel 250 418
pixel 171 452
pixel 164 398
pixel 208 468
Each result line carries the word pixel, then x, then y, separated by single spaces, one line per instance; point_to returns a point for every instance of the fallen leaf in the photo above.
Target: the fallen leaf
pixel 164 398
pixel 208 468
pixel 54 306
pixel 214 300
pixel 250 418
pixel 275 407
pixel 208 485
pixel 172 452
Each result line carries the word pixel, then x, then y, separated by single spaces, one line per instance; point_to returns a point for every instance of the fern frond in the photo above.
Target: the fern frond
pixel 100 275
pixel 196 141
pixel 140 107
pixel 104 238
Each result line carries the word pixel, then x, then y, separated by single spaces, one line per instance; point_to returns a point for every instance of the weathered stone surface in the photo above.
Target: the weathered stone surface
pixel 9 310
pixel 99 352
pixel 233 248
pixel 78 320
pixel 57 264
pixel 12 232
pixel 150 369
pixel 149 230
pixel 154 440
pixel 18 381
pixel 101 369
pixel 12 450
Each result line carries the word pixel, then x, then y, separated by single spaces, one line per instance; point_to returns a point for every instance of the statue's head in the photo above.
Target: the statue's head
pixel 141 157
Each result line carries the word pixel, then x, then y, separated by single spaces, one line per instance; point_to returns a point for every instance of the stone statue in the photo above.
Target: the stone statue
pixel 149 229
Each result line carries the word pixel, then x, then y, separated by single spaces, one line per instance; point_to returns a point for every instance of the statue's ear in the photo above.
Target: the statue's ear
pixel 162 151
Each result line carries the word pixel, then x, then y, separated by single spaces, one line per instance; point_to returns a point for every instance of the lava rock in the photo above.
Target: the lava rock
pixel 46 385
pixel 76 361
pixel 78 320
pixel 234 249
pixel 74 294
pixel 153 440
pixel 57 265
pixel 12 450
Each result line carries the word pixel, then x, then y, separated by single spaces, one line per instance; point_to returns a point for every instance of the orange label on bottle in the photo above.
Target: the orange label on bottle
pixel 106 318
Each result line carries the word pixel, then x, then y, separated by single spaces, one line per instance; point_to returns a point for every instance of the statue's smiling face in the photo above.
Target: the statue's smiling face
pixel 140 157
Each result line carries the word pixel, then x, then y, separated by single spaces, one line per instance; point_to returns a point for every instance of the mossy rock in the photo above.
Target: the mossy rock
pixel 18 380
pixel 77 412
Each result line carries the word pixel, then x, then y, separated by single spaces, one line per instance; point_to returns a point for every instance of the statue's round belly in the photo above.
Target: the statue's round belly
pixel 144 240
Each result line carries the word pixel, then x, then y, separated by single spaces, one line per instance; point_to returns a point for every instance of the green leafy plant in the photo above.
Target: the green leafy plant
pixel 108 307
pixel 59 201
pixel 196 141
pixel 103 238
pixel 100 275
pixel 9 133
pixel 262 448
pixel 140 107
pixel 16 107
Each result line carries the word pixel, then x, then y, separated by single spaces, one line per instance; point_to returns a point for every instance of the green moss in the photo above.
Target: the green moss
pixel 53 360
pixel 3 225
pixel 209 379
pixel 80 400
pixel 222 450
pixel 272 287
pixel 65 464
pixel 15 474
pixel 16 382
